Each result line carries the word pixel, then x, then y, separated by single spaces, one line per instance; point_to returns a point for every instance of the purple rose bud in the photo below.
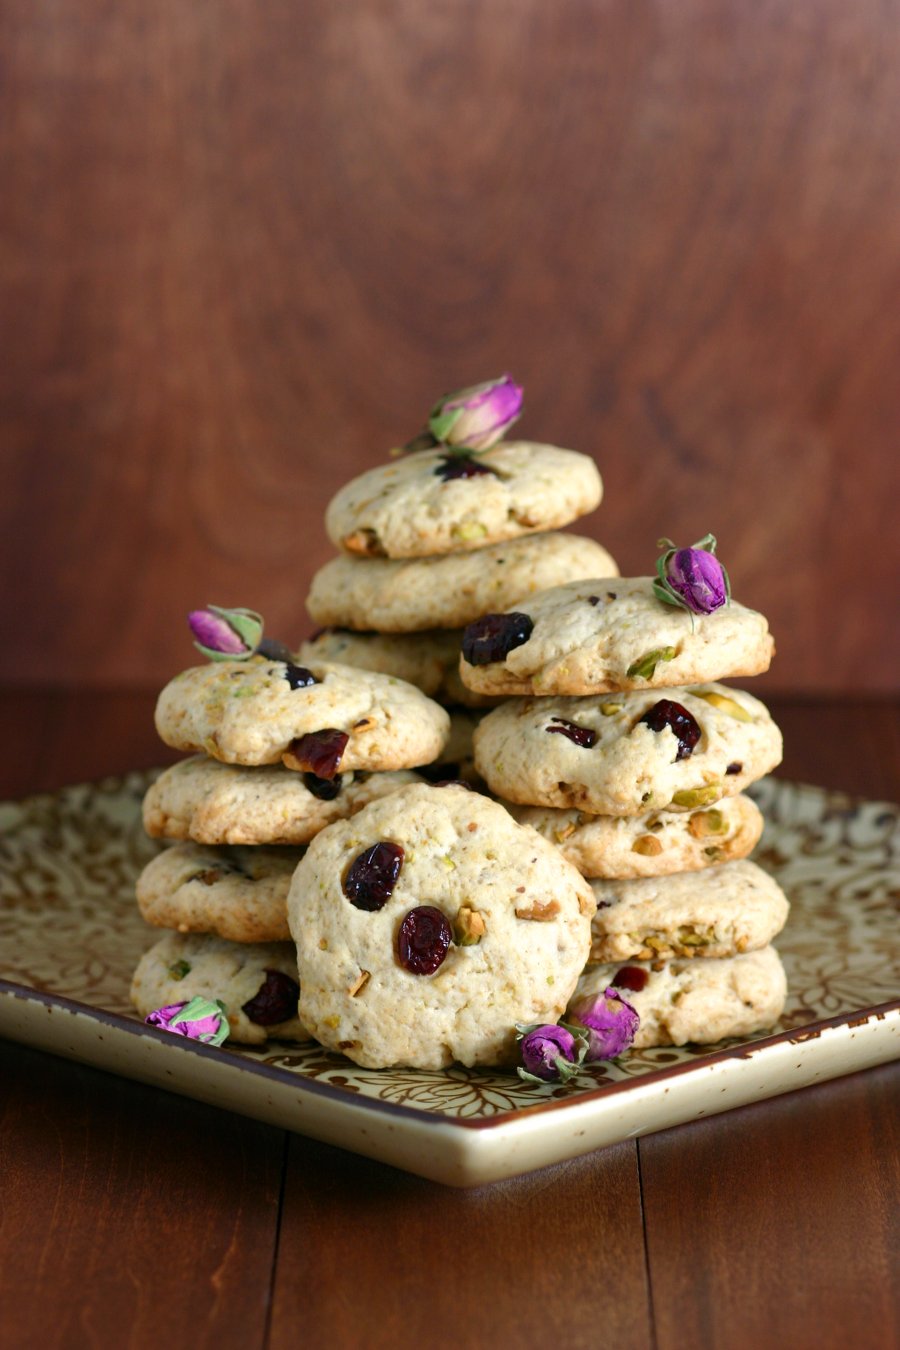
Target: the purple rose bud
pixel 550 1053
pixel 692 578
pixel 477 417
pixel 199 1020
pixel 226 634
pixel 611 1024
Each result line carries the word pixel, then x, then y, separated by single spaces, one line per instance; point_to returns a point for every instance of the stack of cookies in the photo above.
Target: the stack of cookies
pixel 286 750
pixel 621 747
pixel 436 539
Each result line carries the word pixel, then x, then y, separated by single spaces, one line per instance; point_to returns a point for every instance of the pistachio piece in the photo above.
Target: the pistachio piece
pixel 700 796
pixel 564 832
pixel 705 823
pixel 467 530
pixel 608 709
pixel 648 845
pixel 469 927
pixel 179 969
pixel 645 665
pixel 724 704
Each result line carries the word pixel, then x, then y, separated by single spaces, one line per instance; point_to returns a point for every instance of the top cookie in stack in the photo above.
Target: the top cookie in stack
pixel 460 523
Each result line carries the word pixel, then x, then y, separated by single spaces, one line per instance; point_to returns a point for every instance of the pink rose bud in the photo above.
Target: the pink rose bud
pixel 611 1024
pixel 477 417
pixel 226 634
pixel 692 578
pixel 199 1020
pixel 550 1053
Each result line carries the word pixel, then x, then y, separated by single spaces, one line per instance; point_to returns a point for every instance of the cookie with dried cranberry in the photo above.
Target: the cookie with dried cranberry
pixel 655 844
pixel 429 660
pixel 683 1002
pixel 436 501
pixel 257 983
pixel 214 803
pixel 238 893
pixel 590 637
pixel 322 719
pixel 720 911
pixel 629 753
pixel 429 925
pixel 404 596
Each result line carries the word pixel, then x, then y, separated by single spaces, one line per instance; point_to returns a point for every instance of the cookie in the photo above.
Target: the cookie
pixel 261 711
pixel 718 912
pixel 238 893
pixel 699 1002
pixel 428 660
pixel 654 844
pixel 432 502
pixel 394 596
pixel 503 937
pixel 603 755
pixel 591 637
pixel 257 983
pixel 214 803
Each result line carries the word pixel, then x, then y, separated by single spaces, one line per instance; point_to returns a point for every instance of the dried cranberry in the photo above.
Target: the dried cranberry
pixel 425 934
pixel 631 977
pixel 326 789
pixel 275 1001
pixel 493 636
pixel 664 714
pixel 460 466
pixel 298 677
pixel 736 767
pixel 319 752
pixel 582 736
pixel 372 876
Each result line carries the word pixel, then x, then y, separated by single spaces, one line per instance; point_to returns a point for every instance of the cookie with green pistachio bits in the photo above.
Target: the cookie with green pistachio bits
pixel 235 892
pixel 606 635
pixel 719 911
pixel 214 803
pixel 684 1001
pixel 627 754
pixel 410 595
pixel 429 925
pixel 653 844
pixel 322 719
pixel 429 660
pixel 257 983
pixel 436 502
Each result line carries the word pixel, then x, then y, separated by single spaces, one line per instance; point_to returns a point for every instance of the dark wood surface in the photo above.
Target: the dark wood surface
pixel 245 246
pixel 132 1218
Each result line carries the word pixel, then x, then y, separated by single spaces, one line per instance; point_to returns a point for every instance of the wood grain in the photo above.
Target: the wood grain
pixel 513 1264
pixel 245 246
pixel 130 1217
pixel 782 1227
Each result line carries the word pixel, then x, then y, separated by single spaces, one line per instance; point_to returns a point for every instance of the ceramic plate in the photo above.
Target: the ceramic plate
pixel 70 937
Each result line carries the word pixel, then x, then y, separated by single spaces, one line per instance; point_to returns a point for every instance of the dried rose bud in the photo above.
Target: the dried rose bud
pixel 477 417
pixel 226 634
pixel 550 1053
pixel 200 1020
pixel 611 1024
pixel 692 578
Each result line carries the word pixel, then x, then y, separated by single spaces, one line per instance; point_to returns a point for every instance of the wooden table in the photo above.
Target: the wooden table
pixel 132 1218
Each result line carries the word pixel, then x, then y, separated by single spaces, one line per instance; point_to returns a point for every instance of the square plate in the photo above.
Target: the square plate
pixel 71 936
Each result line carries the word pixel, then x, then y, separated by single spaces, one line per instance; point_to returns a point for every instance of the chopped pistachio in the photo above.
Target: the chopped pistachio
pixel 700 796
pixel 448 862
pixel 726 705
pixel 645 665
pixel 565 832
pixel 469 928
pixel 469 529
pixel 647 845
pixel 704 823
pixel 333 1021
pixel 608 709
pixel 179 969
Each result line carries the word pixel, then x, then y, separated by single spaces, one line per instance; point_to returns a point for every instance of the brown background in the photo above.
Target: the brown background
pixel 246 244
